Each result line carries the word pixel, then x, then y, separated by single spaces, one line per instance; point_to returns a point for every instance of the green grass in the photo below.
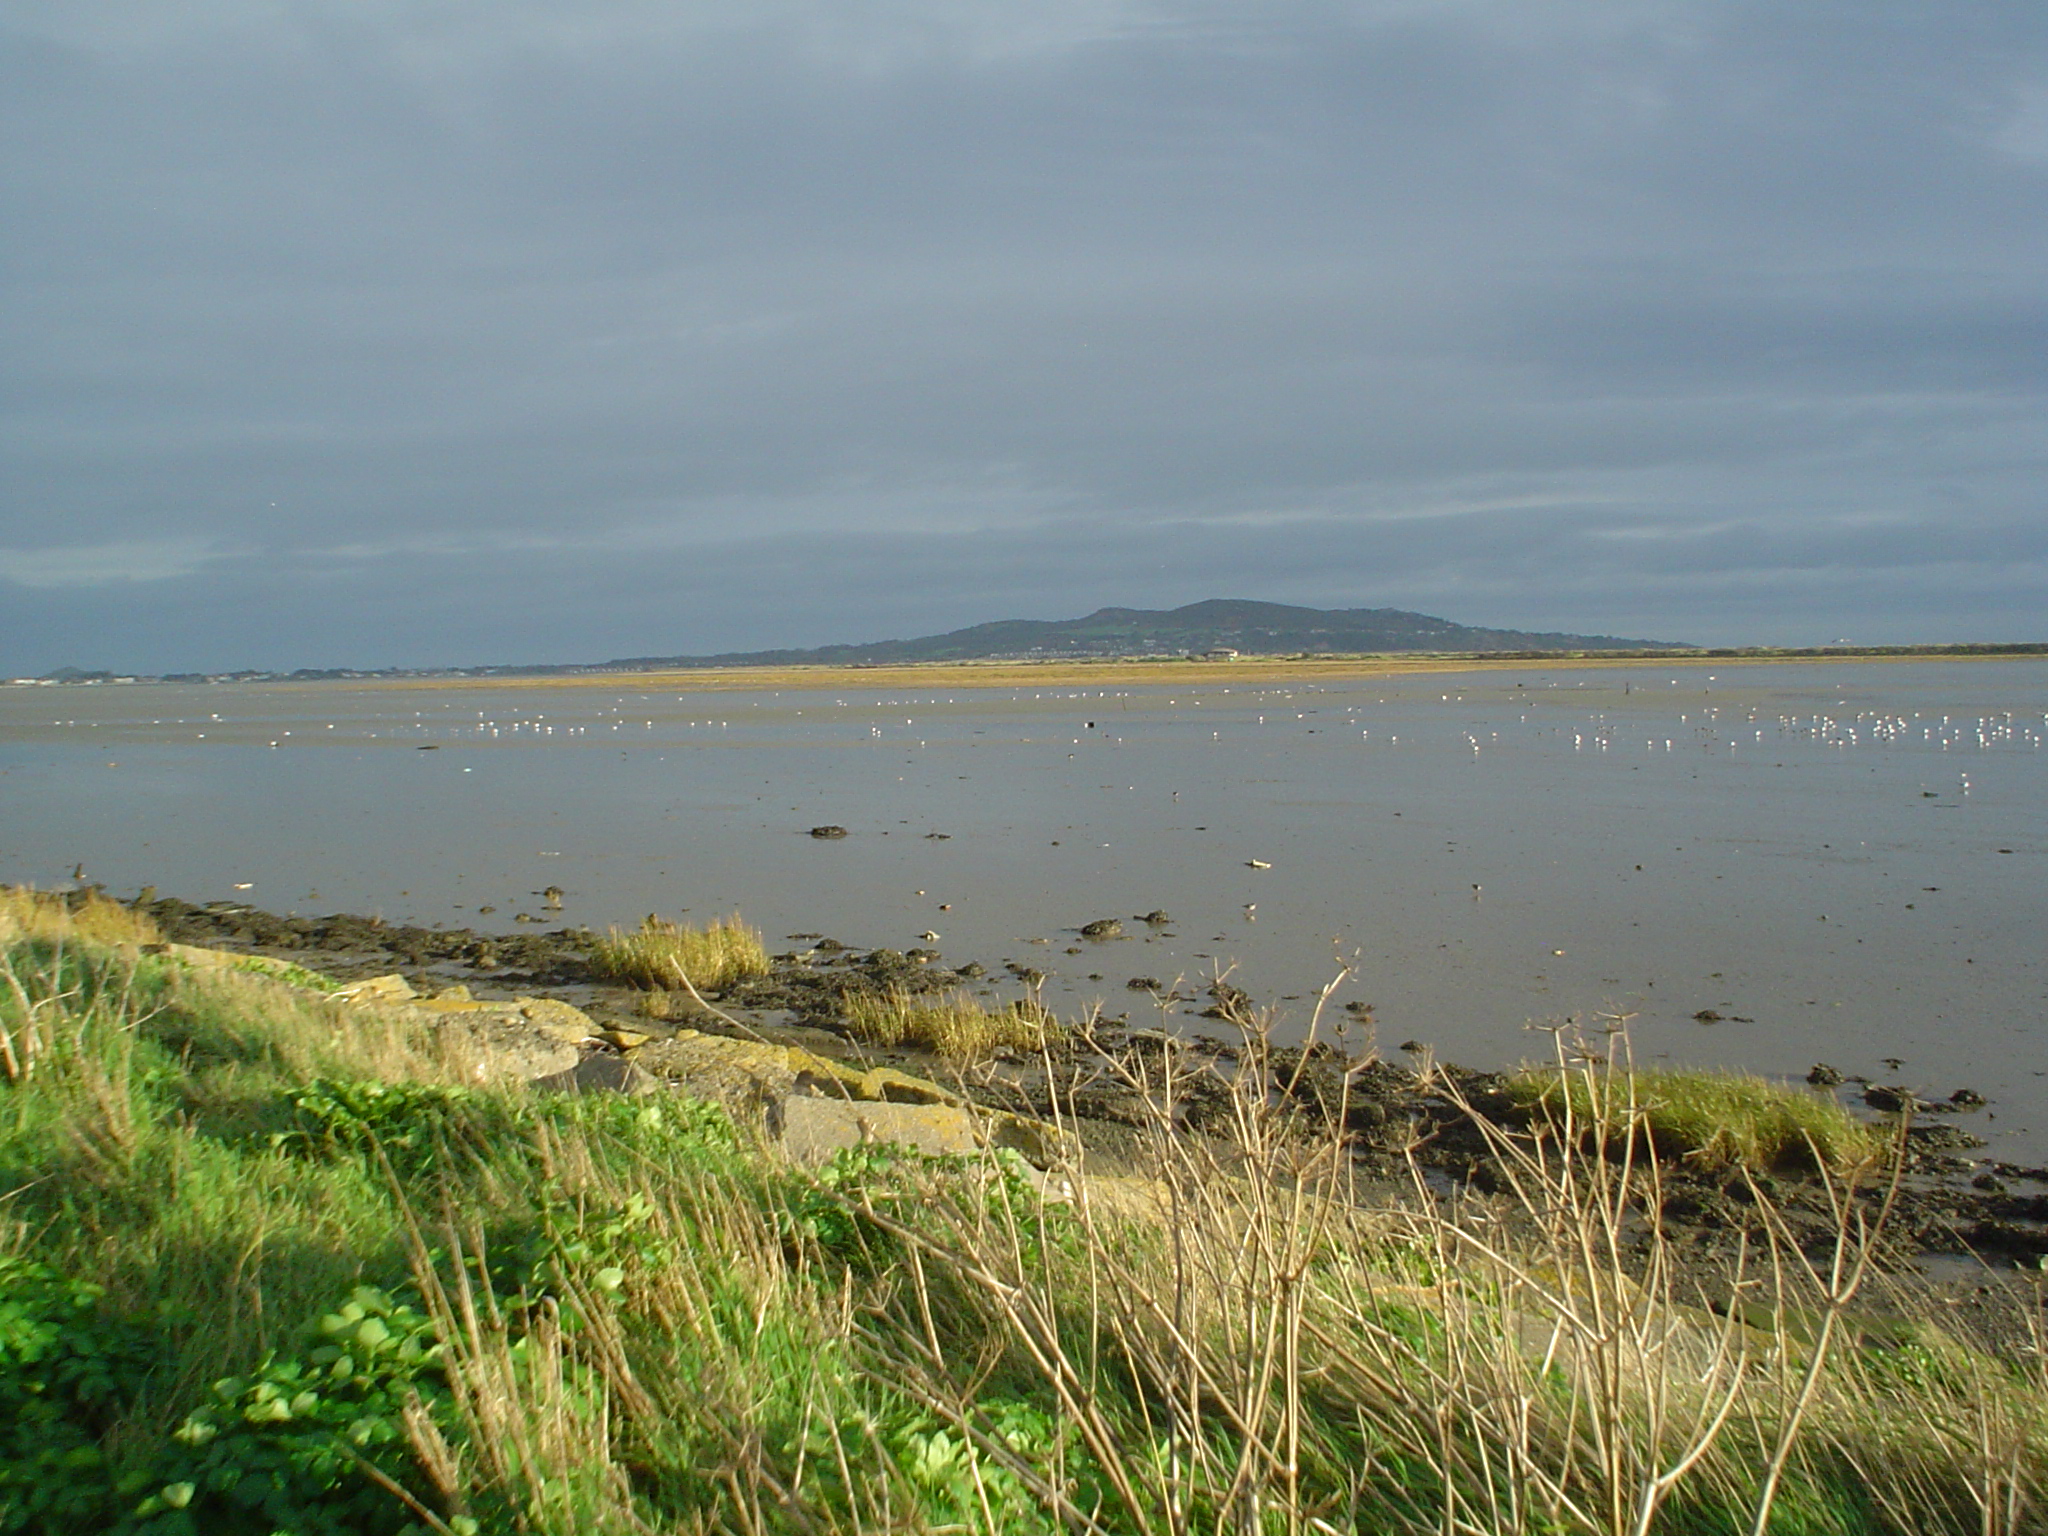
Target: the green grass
pixel 1720 1119
pixel 661 954
pixel 269 1264
pixel 954 1026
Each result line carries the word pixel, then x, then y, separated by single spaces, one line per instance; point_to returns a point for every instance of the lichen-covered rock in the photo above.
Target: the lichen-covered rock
pixel 553 1017
pixel 811 1129
pixel 738 1073
pixel 377 989
pixel 502 1047
pixel 781 1081
pixel 890 1085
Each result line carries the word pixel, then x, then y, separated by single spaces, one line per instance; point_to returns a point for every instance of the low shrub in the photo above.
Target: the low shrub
pixel 954 1026
pixel 664 954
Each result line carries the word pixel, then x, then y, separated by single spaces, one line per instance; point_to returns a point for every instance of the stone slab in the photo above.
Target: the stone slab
pixel 600 1072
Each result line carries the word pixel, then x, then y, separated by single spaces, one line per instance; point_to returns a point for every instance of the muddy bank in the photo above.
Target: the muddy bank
pixel 1394 1117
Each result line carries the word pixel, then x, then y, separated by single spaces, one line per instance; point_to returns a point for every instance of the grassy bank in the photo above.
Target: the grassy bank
pixel 267 1265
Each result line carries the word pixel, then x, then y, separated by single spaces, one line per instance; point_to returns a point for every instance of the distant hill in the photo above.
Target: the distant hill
pixel 1221 624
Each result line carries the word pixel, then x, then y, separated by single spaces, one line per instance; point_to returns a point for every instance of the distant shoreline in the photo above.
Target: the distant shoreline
pixel 1147 671
pixel 1063 671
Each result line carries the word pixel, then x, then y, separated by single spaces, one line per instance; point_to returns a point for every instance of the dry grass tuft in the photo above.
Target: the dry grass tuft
pixel 664 954
pixel 1721 1119
pixel 59 917
pixel 1516 1364
pixel 954 1025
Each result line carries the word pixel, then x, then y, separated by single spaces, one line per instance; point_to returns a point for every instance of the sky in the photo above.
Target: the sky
pixel 451 332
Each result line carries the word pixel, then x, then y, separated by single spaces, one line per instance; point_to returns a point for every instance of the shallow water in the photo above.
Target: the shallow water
pixel 1846 861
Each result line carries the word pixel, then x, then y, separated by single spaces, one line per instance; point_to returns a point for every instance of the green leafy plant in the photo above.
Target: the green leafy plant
pixel 320 1442
pixel 65 1371
pixel 830 1213
pixel 413 1125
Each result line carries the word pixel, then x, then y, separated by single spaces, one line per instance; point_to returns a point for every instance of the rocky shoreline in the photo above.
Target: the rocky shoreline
pixel 1394 1117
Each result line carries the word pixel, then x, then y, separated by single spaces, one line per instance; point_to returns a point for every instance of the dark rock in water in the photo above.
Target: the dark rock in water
pixel 1413 1047
pixel 828 832
pixel 1102 928
pixel 1990 1183
pixel 1143 984
pixel 1708 1016
pixel 1824 1076
pixel 936 837
pixel 2015 1239
pixel 828 946
pixel 1228 1002
pixel 1967 1098
pixel 1942 1138
pixel 1157 917
pixel 1891 1100
pixel 973 969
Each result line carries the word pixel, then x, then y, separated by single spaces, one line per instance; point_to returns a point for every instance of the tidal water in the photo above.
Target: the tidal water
pixel 1846 862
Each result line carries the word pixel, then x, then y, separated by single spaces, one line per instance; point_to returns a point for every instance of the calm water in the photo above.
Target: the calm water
pixel 1847 861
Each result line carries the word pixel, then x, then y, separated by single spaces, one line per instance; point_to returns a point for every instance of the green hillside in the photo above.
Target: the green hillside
pixel 1252 629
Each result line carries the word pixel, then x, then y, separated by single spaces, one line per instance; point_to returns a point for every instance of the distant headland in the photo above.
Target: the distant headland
pixel 1220 629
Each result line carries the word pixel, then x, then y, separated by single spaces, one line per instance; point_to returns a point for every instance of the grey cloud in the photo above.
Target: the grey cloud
pixel 1736 305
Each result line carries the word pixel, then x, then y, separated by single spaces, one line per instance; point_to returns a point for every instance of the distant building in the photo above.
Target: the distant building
pixel 1226 654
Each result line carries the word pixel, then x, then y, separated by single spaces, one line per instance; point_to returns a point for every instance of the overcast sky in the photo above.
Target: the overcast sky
pixel 370 332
